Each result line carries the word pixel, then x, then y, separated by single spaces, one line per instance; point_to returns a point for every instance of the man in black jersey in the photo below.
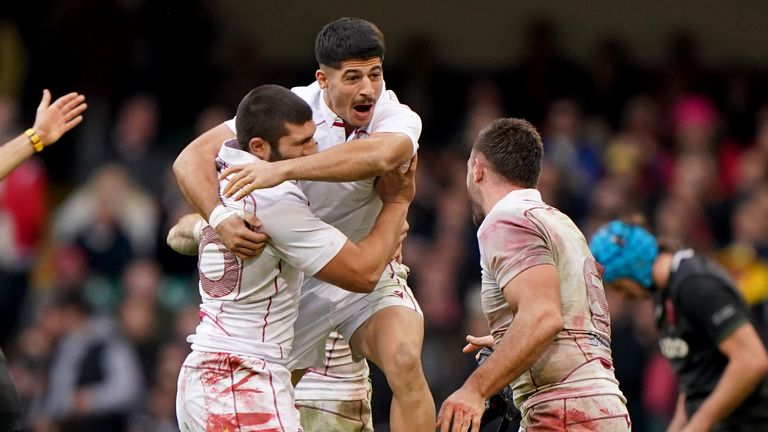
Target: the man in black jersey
pixel 704 329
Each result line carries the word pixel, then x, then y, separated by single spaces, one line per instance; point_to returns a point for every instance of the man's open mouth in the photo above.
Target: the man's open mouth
pixel 363 108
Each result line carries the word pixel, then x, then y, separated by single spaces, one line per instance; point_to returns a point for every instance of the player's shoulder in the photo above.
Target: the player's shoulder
pixel 389 103
pixel 310 93
pixel 285 194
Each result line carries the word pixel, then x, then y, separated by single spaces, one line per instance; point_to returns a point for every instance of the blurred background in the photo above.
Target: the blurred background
pixel 656 108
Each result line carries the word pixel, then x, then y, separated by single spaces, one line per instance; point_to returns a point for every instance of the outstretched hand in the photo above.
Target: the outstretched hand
pixel 249 177
pixel 54 119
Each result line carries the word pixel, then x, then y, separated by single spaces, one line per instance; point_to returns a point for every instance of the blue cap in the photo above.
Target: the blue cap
pixel 626 251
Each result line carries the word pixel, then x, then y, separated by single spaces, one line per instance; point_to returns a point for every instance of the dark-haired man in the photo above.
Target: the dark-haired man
pixel 362 132
pixel 236 377
pixel 704 328
pixel 542 296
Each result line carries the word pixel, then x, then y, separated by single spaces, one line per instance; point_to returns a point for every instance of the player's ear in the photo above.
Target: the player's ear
pixel 478 168
pixel 259 148
pixel 321 78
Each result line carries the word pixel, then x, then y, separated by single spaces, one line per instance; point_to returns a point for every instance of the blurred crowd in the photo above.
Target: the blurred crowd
pixel 96 309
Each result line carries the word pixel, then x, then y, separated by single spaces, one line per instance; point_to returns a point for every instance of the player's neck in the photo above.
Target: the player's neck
pixel 661 269
pixel 495 192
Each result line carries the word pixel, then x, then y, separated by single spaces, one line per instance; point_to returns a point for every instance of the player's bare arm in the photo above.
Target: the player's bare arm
pixel 680 418
pixel 354 160
pixel 747 366
pixel 195 171
pixel 51 122
pixel 358 267
pixel 534 295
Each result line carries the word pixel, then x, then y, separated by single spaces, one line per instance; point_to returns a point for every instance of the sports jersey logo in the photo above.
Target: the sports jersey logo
pixel 219 269
pixel 673 348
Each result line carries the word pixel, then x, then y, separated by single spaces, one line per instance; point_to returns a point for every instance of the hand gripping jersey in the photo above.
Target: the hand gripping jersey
pixel 249 307
pixel 351 207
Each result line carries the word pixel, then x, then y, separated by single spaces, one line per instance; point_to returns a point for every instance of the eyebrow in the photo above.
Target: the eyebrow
pixel 376 68
pixel 305 140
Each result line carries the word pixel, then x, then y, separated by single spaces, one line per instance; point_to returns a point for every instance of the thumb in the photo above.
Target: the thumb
pixel 252 220
pixel 473 340
pixel 45 101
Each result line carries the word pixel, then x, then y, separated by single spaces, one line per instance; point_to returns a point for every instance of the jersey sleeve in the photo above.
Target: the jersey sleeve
pixel 395 117
pixel 298 236
pixel 712 307
pixel 513 244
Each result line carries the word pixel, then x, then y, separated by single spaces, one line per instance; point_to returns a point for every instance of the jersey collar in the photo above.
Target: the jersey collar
pixel 231 154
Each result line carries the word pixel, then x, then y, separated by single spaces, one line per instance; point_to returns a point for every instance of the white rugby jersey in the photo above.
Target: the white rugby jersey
pixel 341 378
pixel 249 307
pixel 352 207
pixel 521 232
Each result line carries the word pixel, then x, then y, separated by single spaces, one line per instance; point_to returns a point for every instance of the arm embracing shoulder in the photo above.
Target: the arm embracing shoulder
pixel 321 250
pixel 195 169
pixel 393 142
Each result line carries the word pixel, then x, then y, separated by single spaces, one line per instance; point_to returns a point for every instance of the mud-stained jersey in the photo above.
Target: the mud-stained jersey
pixel 521 232
pixel 249 307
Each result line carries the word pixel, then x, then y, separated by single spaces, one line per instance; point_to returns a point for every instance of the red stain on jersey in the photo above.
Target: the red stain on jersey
pixel 606 363
pixel 235 422
pixel 577 416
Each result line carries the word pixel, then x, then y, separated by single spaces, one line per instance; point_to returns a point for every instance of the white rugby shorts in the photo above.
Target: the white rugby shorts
pixel 324 308
pixel 221 391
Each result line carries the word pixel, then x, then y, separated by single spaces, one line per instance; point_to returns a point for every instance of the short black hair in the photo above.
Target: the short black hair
pixel 265 111
pixel 514 149
pixel 348 39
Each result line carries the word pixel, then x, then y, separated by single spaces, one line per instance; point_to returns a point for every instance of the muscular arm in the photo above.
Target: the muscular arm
pixel 358 266
pixel 195 170
pixel 747 366
pixel 353 160
pixel 534 295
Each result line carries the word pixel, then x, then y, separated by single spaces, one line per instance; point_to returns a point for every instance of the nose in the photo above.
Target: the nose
pixel 367 89
pixel 310 148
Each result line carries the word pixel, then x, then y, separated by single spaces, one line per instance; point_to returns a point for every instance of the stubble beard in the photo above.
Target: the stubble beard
pixel 478 215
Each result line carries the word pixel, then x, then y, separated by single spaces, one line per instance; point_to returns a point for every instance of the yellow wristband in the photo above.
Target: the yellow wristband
pixel 35 138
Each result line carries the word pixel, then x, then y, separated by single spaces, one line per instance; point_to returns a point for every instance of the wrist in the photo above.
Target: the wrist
pixel 473 387
pixel 35 138
pixel 284 171
pixel 219 215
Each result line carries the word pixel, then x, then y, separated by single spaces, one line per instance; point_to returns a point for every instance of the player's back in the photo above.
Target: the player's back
pixel 520 232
